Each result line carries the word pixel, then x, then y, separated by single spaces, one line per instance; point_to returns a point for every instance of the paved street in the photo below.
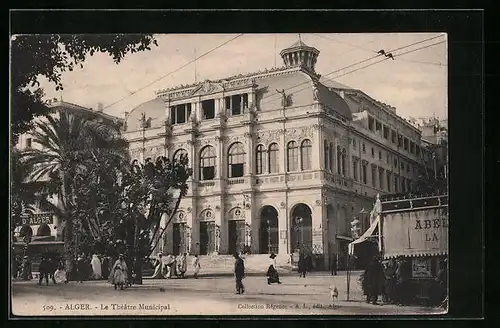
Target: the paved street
pixel 208 295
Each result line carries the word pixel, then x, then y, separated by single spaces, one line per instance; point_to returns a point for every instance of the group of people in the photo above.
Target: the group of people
pixel 95 267
pixel 390 278
pixel 239 272
pixel 171 265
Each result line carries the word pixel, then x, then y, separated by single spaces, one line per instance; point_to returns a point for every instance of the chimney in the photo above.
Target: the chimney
pixel 100 107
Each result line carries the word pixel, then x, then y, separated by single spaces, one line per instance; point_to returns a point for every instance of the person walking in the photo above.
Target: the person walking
pixel 181 265
pixel 60 274
pixel 80 268
pixel 302 267
pixel 334 265
pixel 118 277
pixel 26 268
pixel 196 266
pixel 239 273
pixel 272 272
pixel 96 267
pixel 159 267
pixel 373 281
pixel 44 269
pixel 105 267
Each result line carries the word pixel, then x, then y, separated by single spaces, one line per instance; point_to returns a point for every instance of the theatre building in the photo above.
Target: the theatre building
pixel 282 158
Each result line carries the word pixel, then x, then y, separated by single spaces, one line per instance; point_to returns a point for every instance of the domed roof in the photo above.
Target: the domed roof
pixel 154 109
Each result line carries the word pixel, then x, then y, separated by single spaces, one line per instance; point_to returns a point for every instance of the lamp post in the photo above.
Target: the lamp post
pixel 217 234
pixel 188 237
pixel 355 235
pixel 268 236
pixel 298 229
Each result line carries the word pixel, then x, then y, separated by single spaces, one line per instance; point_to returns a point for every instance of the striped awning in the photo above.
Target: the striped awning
pixel 368 233
pixel 424 254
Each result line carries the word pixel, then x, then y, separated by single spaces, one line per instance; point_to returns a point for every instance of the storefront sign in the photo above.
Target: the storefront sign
pixel 423 232
pixel 38 219
pixel 421 268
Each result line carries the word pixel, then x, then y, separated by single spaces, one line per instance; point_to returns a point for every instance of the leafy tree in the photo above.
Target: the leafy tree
pixel 33 56
pixel 121 206
pixel 67 144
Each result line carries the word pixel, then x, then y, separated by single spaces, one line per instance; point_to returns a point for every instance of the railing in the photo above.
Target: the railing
pixel 338 180
pixel 206 183
pixel 233 181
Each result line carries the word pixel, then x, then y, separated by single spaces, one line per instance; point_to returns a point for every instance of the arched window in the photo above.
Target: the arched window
pixel 207 163
pixel 344 160
pixel 330 154
pixel 339 160
pixel 236 159
pixel 180 153
pixel 292 156
pixel 326 155
pixel 260 160
pixel 273 158
pixel 306 154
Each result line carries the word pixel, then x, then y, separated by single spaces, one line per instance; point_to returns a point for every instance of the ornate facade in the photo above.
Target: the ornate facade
pixel 282 158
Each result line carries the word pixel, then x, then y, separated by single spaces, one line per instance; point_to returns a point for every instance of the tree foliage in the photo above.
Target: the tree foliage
pixel 33 56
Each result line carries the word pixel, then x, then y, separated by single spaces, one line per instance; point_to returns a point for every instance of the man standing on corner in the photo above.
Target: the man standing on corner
pixel 239 273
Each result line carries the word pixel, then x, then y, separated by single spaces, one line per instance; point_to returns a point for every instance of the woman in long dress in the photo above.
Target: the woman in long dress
pixel 181 265
pixel 60 274
pixel 159 267
pixel 118 276
pixel 272 273
pixel 196 266
pixel 96 267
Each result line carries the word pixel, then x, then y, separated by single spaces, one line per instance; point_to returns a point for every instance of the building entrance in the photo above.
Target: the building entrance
pixel 236 231
pixel 207 237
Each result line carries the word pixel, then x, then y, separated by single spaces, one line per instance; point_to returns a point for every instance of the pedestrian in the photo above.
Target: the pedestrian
pixel 118 277
pixel 170 265
pixel 334 265
pixel 239 273
pixel 80 268
pixel 96 267
pixel 272 272
pixel 60 274
pixel 52 268
pixel 15 267
pixel 373 281
pixel 130 270
pixel 302 266
pixel 105 267
pixel 159 267
pixel 182 265
pixel 26 268
pixel 44 269
pixel 196 266
pixel 398 289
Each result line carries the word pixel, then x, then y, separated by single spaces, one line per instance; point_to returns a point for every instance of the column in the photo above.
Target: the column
pixel 319 147
pixel 283 227
pixel 220 170
pixel 193 160
pixel 283 151
pixel 249 156
pixel 317 225
pixel 221 227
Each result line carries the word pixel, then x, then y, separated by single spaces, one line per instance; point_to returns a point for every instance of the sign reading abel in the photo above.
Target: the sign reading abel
pixel 38 219
pixel 416 232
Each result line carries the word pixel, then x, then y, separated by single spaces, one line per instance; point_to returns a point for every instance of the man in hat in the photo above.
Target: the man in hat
pixel 272 273
pixel 26 268
pixel 239 273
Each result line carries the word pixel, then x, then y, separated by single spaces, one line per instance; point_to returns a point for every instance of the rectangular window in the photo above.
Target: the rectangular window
pixel 379 155
pixel 293 159
pixel 236 170
pixel 355 169
pixel 371 123
pixel 400 140
pixel 179 114
pixel 395 162
pixel 208 173
pixel 405 143
pixel 28 142
pixel 373 152
pixel 388 159
pixel 354 143
pixel 388 181
pixel 396 183
pixel 407 168
pixel 208 108
pixel 412 147
pixel 365 181
pixel 393 136
pixel 381 178
pixel 417 150
pixel 378 126
pixel 364 148
pixel 245 100
pixel 403 184
pixel 259 162
pixel 374 176
pixel 386 132
pixel 402 166
pixel 236 105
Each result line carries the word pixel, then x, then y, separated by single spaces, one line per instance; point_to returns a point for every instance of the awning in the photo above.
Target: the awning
pixel 368 233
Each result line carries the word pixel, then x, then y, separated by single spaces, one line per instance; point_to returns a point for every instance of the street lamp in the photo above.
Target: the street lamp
pixel 268 236
pixel 298 228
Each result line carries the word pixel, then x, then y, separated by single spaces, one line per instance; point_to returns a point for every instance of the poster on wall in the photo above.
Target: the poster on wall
pixel 421 267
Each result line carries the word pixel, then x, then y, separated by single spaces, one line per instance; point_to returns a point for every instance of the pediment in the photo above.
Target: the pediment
pixel 207 88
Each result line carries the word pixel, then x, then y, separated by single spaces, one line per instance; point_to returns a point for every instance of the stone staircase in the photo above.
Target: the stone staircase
pixel 254 263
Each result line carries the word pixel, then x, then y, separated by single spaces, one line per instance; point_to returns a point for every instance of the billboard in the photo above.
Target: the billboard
pixel 415 233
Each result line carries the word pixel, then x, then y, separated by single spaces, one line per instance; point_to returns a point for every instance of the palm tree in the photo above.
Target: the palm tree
pixel 67 144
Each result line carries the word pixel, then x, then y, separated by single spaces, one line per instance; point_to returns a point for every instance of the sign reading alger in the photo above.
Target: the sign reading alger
pixel 37 219
pixel 417 230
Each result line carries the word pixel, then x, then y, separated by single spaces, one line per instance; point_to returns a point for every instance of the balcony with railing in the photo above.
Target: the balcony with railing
pixel 337 181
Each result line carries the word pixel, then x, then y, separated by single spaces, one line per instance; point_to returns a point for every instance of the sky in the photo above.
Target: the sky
pixel 414 83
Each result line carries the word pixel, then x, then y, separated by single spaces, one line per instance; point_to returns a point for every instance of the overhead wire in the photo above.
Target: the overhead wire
pixel 360 62
pixel 174 71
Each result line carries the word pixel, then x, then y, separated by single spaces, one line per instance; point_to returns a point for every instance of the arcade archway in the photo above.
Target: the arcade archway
pixel 268 233
pixel 301 227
